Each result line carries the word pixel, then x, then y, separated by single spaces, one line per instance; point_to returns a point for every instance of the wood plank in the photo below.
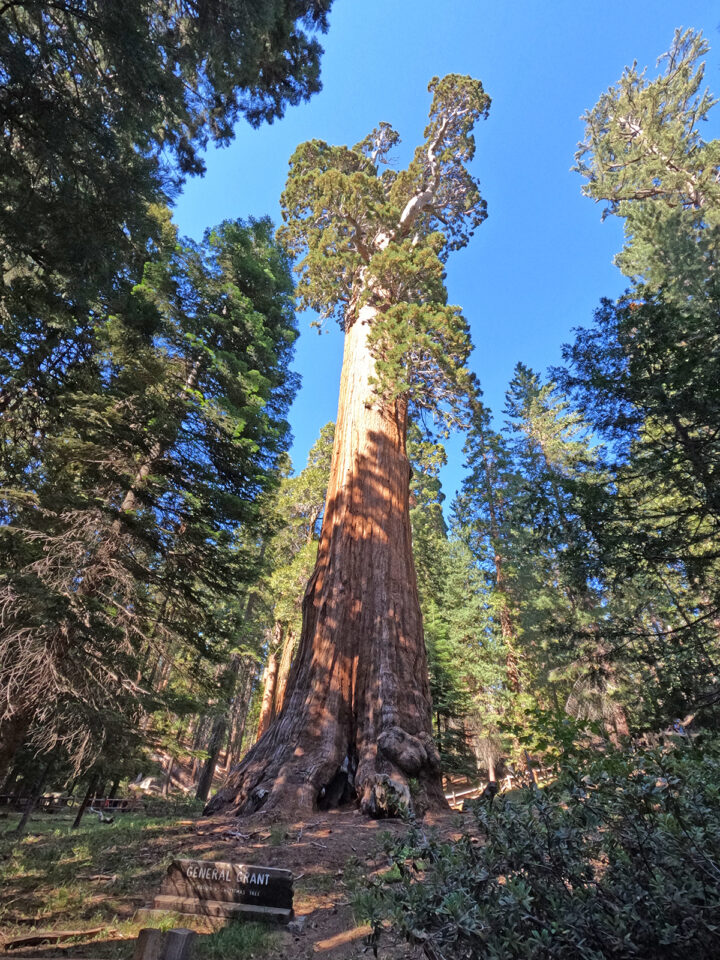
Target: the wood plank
pixel 49 936
pixel 276 873
pixel 229 883
pixel 340 939
pixel 219 908
pixel 270 897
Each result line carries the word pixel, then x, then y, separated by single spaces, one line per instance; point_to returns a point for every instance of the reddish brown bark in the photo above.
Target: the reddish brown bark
pixel 284 670
pixel 267 708
pixel 241 706
pixel 358 703
pixel 507 628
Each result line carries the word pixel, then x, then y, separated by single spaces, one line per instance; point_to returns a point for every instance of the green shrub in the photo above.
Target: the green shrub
pixel 620 858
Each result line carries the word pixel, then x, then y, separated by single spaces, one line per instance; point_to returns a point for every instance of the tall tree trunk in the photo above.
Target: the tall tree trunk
pixel 198 741
pixel 284 670
pixel 167 782
pixel 267 708
pixel 491 769
pixel 219 732
pixel 358 699
pixel 33 799
pixel 507 629
pixel 92 786
pixel 13 733
pixel 9 785
pixel 240 712
pixel 217 738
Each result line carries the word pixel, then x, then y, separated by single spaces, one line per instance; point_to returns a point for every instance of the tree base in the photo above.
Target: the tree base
pixel 289 787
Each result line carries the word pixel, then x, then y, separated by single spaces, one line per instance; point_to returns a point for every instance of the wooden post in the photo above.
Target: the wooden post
pixel 148 945
pixel 153 944
pixel 178 944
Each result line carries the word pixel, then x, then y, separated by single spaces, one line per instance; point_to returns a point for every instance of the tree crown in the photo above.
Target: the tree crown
pixel 370 235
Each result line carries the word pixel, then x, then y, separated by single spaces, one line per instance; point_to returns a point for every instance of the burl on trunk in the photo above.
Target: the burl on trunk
pixel 356 718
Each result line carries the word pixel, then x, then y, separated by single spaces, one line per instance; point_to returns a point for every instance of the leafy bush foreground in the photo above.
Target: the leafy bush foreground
pixel 618 858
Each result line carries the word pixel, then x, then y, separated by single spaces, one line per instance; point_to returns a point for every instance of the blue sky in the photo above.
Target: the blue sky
pixel 539 264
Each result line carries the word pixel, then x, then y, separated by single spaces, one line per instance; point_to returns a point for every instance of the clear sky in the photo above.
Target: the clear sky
pixel 539 264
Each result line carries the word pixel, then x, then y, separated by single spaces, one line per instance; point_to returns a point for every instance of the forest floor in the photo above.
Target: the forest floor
pixel 98 878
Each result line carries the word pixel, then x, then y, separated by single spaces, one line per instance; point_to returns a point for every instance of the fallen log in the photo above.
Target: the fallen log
pixel 49 936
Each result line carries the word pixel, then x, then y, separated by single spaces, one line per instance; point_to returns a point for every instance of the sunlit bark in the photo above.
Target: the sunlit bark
pixel 357 709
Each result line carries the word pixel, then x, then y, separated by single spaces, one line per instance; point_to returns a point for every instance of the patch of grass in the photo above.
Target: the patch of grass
pixel 168 921
pixel 67 899
pixel 45 875
pixel 237 941
pixel 317 883
pixel 278 835
pixel 44 878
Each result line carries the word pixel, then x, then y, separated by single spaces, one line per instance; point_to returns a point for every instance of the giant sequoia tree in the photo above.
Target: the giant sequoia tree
pixel 356 716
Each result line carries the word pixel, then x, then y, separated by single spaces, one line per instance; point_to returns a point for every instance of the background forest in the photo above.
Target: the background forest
pixel 157 538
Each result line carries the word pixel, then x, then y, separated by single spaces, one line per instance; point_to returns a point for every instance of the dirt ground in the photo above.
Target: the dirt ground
pixel 324 852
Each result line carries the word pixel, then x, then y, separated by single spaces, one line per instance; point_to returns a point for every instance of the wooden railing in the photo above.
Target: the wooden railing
pixel 51 804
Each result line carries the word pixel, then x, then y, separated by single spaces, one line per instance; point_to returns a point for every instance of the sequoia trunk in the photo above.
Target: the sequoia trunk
pixel 284 669
pixel 267 708
pixel 356 716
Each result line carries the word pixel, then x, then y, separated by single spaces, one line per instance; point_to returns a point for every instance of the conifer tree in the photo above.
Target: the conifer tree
pixel 644 375
pixel 553 453
pixel 106 108
pixel 119 536
pixel 644 156
pixel 483 517
pixel 356 718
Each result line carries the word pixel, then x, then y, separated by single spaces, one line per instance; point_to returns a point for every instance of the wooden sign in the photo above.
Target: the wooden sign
pixel 210 888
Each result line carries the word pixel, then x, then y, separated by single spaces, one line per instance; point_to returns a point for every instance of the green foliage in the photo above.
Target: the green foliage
pixel 143 383
pixel 105 109
pixel 296 521
pixel 644 376
pixel 130 517
pixel 448 605
pixel 371 238
pixel 644 156
pixel 620 857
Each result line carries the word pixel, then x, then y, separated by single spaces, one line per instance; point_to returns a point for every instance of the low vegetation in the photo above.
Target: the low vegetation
pixel 98 877
pixel 620 857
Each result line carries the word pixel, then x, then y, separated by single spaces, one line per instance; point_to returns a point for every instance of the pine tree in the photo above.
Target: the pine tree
pixel 358 708
pixel 554 454
pixel 645 157
pixel 106 108
pixel 119 531
pixel 483 518
pixel 435 563
pixel 644 376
